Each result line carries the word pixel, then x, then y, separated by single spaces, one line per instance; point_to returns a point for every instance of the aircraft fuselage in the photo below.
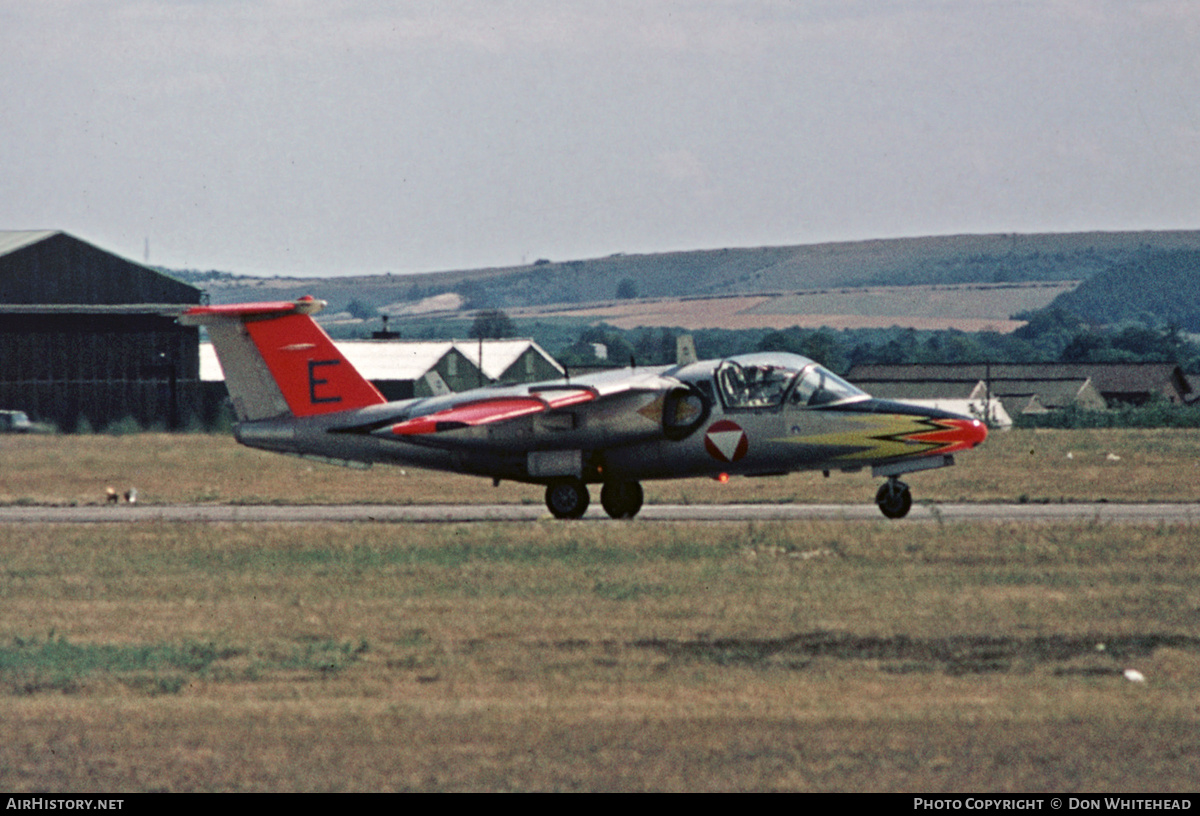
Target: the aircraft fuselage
pixel 756 414
pixel 679 422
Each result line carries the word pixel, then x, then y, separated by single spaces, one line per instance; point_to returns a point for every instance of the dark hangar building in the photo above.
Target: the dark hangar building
pixel 88 335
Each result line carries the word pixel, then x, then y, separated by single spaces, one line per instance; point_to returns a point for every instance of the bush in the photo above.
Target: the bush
pixel 1156 414
pixel 124 427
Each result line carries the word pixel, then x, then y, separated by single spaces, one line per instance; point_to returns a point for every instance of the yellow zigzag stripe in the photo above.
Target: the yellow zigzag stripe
pixel 882 441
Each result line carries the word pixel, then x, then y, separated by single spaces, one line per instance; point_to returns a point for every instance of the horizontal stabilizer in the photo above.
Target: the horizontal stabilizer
pixel 207 315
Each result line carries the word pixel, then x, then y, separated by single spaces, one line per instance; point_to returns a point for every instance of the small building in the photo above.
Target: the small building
pixel 1041 396
pixel 88 336
pixel 966 397
pixel 1115 383
pixel 909 390
pixel 404 369
pixel 508 362
pixel 1138 383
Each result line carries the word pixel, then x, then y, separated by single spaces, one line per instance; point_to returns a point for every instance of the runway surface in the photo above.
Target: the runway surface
pixel 309 514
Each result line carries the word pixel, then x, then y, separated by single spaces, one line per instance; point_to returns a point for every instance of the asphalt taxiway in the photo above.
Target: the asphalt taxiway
pixel 468 513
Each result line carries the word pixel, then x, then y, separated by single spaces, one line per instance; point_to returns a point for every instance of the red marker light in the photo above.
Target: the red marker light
pixel 722 477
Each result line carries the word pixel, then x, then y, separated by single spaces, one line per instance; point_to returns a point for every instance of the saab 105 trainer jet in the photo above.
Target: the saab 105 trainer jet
pixel 751 414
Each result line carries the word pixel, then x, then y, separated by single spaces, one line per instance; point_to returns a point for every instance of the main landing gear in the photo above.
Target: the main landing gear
pixel 569 499
pixel 894 498
pixel 621 500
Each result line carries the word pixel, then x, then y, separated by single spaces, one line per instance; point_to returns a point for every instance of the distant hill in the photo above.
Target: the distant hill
pixel 961 259
pixel 1153 287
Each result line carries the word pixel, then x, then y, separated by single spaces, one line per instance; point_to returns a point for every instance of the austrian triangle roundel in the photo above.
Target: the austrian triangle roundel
pixel 725 441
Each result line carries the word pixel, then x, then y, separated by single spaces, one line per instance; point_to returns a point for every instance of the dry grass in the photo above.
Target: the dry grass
pixel 1011 466
pixel 559 656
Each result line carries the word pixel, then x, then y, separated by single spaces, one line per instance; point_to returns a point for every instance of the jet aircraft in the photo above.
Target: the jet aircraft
pixel 751 414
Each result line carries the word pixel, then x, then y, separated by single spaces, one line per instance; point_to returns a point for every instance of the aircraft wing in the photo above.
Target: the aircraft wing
pixel 489 410
pixel 605 412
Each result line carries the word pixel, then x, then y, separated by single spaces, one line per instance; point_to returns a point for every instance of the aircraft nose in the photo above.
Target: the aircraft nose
pixel 969 434
pixel 950 432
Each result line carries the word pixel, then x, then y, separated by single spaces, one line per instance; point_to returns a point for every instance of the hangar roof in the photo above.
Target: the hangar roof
pixel 54 268
pixel 12 240
pixel 377 360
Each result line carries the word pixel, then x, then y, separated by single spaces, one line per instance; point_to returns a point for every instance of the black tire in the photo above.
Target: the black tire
pixel 621 500
pixel 567 498
pixel 894 499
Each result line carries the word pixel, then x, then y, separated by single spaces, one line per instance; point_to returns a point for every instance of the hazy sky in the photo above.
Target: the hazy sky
pixel 363 136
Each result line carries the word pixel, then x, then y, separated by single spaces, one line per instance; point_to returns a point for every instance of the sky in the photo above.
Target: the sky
pixel 335 137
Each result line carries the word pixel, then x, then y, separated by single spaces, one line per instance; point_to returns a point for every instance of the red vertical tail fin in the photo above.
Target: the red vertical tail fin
pixel 278 361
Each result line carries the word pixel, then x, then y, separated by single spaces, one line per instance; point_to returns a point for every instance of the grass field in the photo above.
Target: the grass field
pixel 813 656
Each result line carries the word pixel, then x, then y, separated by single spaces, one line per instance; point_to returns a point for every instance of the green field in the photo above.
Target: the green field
pixel 810 656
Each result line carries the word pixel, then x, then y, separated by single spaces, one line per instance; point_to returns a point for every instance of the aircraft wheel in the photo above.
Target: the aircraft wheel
pixel 621 500
pixel 567 498
pixel 894 499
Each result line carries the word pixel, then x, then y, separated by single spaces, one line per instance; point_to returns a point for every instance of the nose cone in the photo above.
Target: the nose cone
pixel 967 433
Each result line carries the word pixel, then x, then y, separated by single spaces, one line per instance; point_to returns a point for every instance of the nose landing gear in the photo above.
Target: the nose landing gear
pixel 894 498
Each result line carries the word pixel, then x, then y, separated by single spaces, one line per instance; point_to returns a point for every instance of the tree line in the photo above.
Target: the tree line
pixel 1058 338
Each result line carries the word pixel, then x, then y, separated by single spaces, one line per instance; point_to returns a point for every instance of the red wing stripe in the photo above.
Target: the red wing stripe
pixel 475 413
pixel 570 398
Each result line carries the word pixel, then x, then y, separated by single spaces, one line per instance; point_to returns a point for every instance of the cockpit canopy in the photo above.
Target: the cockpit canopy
pixel 770 380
